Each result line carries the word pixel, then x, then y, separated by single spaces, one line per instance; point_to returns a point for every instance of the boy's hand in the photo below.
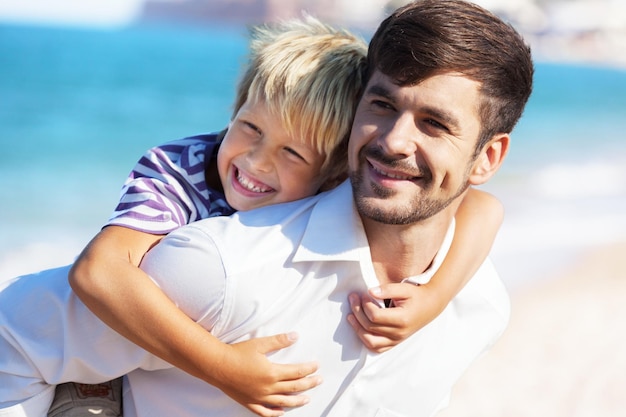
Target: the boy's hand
pixel 269 387
pixel 380 329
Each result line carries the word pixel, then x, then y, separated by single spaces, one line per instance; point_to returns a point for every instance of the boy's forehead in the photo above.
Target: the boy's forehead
pixel 271 120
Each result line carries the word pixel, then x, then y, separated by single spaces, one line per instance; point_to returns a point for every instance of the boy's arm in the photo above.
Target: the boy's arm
pixel 477 222
pixel 108 280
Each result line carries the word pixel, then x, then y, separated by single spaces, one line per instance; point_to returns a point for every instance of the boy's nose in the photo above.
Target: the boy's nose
pixel 259 159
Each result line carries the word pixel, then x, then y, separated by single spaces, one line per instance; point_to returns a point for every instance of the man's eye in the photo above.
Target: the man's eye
pixel 436 124
pixel 382 104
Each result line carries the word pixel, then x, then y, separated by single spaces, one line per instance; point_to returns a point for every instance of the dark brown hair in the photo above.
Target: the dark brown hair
pixel 429 37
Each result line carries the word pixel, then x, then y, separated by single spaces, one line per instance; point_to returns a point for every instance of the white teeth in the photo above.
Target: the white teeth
pixel 394 176
pixel 249 185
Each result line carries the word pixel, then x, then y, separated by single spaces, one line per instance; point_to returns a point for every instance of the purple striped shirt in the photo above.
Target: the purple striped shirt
pixel 167 188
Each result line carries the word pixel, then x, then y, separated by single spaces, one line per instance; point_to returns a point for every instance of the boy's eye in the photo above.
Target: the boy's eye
pixel 291 151
pixel 252 127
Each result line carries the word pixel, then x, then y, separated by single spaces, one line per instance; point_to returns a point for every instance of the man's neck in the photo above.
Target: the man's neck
pixel 402 251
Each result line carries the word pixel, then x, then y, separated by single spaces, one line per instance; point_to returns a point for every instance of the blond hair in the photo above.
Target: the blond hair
pixel 310 75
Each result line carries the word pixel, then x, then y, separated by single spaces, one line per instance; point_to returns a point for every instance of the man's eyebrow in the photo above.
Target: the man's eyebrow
pixel 445 117
pixel 379 90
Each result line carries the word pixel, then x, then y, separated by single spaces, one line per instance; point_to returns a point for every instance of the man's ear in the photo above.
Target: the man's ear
pixel 490 159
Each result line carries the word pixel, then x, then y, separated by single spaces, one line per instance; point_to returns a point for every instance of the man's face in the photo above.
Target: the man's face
pixel 411 148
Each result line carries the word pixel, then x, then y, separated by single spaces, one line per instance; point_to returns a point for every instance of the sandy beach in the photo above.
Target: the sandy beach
pixel 564 352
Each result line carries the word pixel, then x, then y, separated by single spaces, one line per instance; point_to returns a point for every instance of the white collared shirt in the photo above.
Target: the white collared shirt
pixel 290 268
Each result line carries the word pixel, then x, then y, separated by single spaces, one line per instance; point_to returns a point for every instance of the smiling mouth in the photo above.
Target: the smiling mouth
pixel 392 174
pixel 250 184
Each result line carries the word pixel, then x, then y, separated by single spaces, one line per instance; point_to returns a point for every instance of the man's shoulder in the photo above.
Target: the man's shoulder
pixel 281 216
pixel 278 227
pixel 487 290
pixel 261 221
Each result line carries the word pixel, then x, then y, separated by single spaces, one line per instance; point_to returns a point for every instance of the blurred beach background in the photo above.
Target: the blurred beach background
pixel 86 87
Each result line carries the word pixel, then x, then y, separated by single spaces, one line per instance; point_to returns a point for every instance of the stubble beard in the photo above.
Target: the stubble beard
pixel 420 207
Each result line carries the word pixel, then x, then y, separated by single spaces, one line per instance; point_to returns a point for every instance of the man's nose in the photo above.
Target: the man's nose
pixel 400 139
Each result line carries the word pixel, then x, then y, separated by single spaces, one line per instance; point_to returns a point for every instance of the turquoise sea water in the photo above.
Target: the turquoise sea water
pixel 78 107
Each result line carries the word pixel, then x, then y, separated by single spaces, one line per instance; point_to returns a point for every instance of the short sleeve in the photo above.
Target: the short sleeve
pixel 167 189
pixel 187 266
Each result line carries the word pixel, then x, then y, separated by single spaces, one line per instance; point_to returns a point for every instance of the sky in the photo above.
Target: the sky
pixel 70 12
pixel 101 12
pixel 121 12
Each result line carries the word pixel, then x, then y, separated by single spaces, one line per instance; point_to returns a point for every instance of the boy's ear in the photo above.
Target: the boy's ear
pixel 490 159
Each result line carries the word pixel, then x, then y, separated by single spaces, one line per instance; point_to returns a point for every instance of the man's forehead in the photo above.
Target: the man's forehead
pixel 443 87
pixel 379 80
pixel 379 77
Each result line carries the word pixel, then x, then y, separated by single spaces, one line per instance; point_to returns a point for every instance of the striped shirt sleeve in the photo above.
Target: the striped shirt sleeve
pixel 167 188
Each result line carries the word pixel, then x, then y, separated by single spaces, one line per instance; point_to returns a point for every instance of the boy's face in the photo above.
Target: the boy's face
pixel 259 163
pixel 411 151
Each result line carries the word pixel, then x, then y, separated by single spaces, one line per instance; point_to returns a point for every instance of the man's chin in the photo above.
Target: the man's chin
pixel 382 211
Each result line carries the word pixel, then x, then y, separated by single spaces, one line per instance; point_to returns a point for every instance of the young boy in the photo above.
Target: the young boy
pixel 286 141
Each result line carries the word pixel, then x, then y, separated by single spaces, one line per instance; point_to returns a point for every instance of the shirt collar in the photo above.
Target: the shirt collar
pixel 334 231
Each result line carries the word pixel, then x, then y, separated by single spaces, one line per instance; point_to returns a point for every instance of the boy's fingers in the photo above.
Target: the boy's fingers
pixel 298 384
pixel 394 291
pixel 364 316
pixel 374 319
pixel 277 403
pixel 358 316
pixel 294 373
pixel 276 342
pixel 297 377
pixel 264 411
pixel 374 342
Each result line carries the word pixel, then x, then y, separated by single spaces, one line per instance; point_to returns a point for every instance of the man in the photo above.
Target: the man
pixel 448 81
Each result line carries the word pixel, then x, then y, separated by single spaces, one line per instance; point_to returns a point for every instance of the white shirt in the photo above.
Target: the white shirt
pixel 290 268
